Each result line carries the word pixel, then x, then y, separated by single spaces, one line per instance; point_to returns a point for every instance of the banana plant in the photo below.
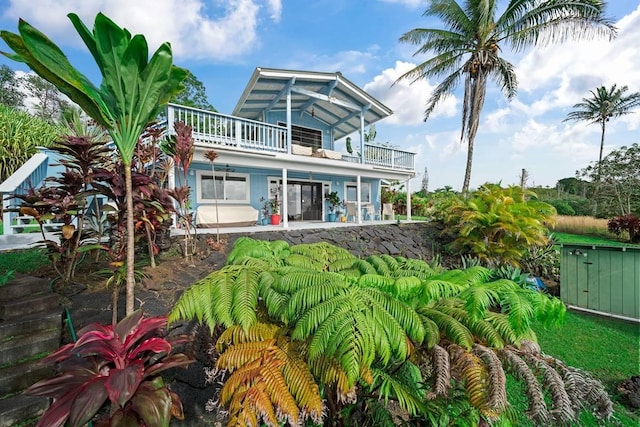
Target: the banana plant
pixel 133 90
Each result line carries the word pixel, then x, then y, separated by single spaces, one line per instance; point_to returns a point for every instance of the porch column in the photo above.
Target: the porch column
pixel 358 200
pixel 408 200
pixel 285 198
pixel 361 139
pixel 6 216
pixel 288 121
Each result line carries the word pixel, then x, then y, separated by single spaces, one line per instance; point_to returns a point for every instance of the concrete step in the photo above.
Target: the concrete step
pixel 28 305
pixel 16 348
pixel 24 286
pixel 31 323
pixel 16 409
pixel 15 378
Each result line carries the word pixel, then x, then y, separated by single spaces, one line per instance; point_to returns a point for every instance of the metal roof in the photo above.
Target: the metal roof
pixel 328 97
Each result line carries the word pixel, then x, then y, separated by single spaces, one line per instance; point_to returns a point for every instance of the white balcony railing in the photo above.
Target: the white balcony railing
pixel 228 131
pixel 221 130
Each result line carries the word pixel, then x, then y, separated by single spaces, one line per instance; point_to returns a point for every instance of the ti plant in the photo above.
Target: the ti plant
pixel 65 199
pixel 119 364
pixel 311 332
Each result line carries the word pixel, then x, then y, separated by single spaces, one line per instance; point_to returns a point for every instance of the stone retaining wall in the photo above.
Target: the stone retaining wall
pixel 411 240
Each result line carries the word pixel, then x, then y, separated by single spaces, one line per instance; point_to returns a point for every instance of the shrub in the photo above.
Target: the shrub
pixel 563 207
pixel 117 363
pixel 498 225
pixel 629 223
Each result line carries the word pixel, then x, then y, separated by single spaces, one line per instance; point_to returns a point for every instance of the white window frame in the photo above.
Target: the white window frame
pixel 355 184
pixel 200 199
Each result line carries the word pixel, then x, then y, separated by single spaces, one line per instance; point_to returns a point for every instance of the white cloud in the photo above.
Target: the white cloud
pixel 407 100
pixel 196 29
pixel 569 70
pixel 348 62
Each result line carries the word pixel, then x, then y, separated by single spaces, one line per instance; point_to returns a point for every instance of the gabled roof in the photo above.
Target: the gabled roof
pixel 328 97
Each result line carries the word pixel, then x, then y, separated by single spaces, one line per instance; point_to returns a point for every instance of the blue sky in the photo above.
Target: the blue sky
pixel 222 42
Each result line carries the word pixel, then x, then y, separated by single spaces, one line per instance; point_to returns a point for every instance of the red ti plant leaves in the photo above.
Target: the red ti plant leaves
pixel 119 364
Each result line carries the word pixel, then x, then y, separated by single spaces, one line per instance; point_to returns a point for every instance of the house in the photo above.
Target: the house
pixel 280 141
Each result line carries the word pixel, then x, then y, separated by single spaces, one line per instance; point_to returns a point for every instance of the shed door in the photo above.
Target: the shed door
pixel 574 286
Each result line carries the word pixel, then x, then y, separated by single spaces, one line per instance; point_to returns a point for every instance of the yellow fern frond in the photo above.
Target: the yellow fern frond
pixel 469 368
pixel 236 335
pixel 240 355
pixel 278 391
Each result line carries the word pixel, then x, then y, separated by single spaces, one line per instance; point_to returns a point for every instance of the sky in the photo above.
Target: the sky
pixel 223 41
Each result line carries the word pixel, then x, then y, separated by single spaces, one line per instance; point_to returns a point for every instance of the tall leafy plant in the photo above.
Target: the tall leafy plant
pixel 311 323
pixel 498 225
pixel 133 89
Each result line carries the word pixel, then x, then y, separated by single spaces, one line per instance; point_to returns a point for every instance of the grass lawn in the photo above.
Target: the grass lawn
pixel 23 261
pixel 588 240
pixel 607 348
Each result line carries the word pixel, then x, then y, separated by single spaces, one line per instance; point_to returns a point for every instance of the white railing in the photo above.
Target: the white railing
pixel 222 130
pixel 228 131
pixel 384 156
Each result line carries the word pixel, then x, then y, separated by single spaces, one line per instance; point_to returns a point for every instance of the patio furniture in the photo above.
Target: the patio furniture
pixel 351 211
pixel 371 212
pixel 387 211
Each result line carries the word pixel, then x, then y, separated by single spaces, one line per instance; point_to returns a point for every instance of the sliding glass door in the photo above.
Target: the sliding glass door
pixel 304 201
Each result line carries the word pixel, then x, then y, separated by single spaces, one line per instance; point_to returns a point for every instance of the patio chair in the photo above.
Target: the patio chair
pixel 351 211
pixel 387 211
pixel 371 213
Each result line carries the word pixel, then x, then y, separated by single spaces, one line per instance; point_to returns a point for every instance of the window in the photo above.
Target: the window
pixel 227 187
pixel 352 192
pixel 306 137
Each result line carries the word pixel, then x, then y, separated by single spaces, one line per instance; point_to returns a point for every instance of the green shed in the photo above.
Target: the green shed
pixel 602 279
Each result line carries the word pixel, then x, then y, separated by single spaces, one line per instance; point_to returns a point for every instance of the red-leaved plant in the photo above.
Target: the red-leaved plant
pixel 120 363
pixel 629 223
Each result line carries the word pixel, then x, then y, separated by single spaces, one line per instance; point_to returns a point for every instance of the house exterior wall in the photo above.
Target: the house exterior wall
pixel 304 120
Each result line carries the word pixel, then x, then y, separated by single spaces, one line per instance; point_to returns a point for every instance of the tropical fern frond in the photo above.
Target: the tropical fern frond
pixel 275 301
pixel 380 265
pixel 483 330
pixel 341 264
pixel 436 289
pixel 323 253
pixel 329 371
pixel 364 267
pixel 517 303
pixel 245 297
pixel 537 410
pixel 246 247
pixel 294 279
pixel 441 372
pixel 267 377
pixel 478 299
pixel 562 408
pixel 500 322
pixel 391 262
pixel 405 393
pixel 449 326
pixel 431 332
pixel 237 335
pixel 417 267
pixel 470 369
pixel 585 391
pixel 497 384
pixel 301 261
pixel 209 300
pixel 384 283
pixel 407 288
pixel 406 316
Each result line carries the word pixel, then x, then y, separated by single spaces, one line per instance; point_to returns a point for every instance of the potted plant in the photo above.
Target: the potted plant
pixel 264 211
pixel 274 204
pixel 334 202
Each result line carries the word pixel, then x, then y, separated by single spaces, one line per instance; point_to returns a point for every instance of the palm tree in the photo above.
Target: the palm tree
pixel 603 105
pixel 134 89
pixel 470 47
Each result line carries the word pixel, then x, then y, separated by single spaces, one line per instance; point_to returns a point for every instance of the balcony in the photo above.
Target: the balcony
pixel 235 133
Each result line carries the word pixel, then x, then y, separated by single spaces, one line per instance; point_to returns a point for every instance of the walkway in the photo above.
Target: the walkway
pixel 21 241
